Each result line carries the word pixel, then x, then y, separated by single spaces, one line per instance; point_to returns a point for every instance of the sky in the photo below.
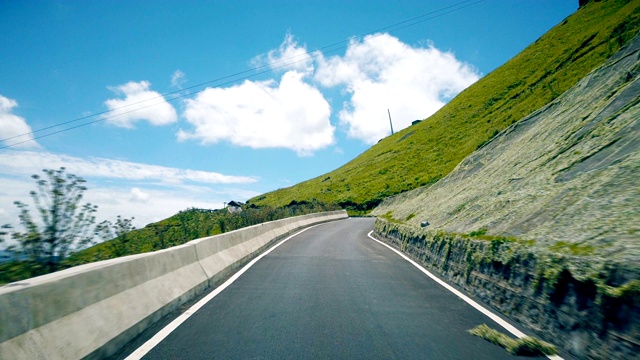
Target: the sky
pixel 166 105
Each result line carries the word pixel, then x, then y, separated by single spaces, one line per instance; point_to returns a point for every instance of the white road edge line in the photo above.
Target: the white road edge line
pixel 162 334
pixel 510 328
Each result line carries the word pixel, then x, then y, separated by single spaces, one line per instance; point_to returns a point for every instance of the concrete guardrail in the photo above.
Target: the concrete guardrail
pixel 93 310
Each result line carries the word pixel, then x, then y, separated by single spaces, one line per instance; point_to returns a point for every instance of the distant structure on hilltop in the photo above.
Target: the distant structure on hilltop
pixel 234 207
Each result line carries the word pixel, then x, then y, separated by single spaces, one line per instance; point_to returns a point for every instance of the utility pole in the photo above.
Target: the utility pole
pixel 390 123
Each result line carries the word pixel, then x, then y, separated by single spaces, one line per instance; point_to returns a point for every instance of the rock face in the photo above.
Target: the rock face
pixel 568 172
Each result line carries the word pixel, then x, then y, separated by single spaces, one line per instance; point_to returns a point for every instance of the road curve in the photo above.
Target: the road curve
pixel 331 293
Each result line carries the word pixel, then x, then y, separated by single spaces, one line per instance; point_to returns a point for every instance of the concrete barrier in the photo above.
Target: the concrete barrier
pixel 91 311
pixel 218 257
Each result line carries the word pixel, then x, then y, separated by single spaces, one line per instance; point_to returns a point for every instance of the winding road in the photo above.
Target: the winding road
pixel 330 292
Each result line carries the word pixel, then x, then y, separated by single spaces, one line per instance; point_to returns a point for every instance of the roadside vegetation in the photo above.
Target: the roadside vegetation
pixel 424 153
pixel 62 233
pixel 59 225
pixel 527 346
pixel 188 225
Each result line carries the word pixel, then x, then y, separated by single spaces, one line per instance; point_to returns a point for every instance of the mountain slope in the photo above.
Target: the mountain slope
pixel 542 222
pixel 566 176
pixel 424 153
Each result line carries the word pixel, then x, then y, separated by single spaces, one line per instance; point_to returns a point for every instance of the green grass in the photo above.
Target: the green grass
pixel 630 289
pixel 389 217
pixel 573 249
pixel 527 346
pixel 533 78
pixel 479 232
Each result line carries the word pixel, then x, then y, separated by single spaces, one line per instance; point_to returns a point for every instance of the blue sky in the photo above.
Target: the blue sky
pixel 307 110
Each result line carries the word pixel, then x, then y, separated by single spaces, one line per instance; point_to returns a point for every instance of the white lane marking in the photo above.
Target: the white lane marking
pixel 462 296
pixel 162 334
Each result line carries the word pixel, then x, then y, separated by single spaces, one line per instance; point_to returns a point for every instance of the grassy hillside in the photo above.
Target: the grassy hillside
pixel 565 176
pixel 424 153
pixel 188 225
pixel 176 230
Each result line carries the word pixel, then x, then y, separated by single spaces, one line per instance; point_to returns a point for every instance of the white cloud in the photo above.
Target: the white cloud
pixel 14 130
pixel 154 205
pixel 289 56
pixel 138 195
pixel 13 189
pixel 31 162
pixel 263 114
pixel 139 103
pixel 159 204
pixel 147 192
pixel 381 73
pixel 178 79
pixel 375 74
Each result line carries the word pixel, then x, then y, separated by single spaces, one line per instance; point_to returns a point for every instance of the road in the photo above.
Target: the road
pixel 331 293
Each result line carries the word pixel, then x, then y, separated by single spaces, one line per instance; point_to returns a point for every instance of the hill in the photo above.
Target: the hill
pixel 424 153
pixel 188 225
pixel 176 230
pixel 542 221
pixel 565 176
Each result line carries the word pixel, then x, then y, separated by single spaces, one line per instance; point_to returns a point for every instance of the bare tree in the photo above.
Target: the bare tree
pixel 4 231
pixel 117 233
pixel 63 225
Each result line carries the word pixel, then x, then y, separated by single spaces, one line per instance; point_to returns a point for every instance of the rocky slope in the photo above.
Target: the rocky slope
pixel 567 173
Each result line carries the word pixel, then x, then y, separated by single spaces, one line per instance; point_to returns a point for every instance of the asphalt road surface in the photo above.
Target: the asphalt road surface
pixel 332 293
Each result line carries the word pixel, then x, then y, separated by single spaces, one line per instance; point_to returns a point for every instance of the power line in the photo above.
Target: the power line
pixel 258 70
pixel 314 54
